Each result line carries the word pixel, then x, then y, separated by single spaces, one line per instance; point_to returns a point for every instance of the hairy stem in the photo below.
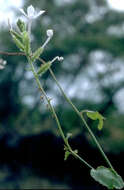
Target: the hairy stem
pixel 48 100
pixel 82 118
pixel 55 116
pixel 68 100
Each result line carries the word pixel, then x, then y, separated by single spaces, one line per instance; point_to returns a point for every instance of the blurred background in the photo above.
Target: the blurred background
pixel 90 37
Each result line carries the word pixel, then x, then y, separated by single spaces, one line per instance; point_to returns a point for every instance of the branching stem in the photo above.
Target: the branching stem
pixel 55 116
pixel 54 113
pixel 82 118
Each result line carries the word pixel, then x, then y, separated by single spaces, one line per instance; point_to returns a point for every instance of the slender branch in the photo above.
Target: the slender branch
pixel 52 109
pixel 12 53
pixel 55 116
pixel 82 118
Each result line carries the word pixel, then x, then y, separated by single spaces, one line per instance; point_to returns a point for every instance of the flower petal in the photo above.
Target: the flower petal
pixel 30 12
pixel 40 13
pixel 23 12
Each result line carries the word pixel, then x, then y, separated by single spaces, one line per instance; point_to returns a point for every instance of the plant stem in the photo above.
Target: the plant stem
pixel 48 100
pixel 55 116
pixel 68 100
pixel 82 118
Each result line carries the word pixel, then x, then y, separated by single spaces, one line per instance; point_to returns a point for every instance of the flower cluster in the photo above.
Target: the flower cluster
pixel 31 15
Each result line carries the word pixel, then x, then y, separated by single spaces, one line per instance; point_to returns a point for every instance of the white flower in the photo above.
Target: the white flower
pixel 49 33
pixel 31 13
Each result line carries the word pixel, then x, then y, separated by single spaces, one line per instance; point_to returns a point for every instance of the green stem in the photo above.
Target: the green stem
pixel 55 116
pixel 82 118
pixel 52 109
pixel 82 160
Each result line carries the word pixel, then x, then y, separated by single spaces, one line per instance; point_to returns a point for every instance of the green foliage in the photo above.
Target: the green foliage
pixel 89 37
pixel 17 35
pixel 19 44
pixel 95 115
pixel 67 153
pixel 44 68
pixel 36 54
pixel 26 42
pixel 107 177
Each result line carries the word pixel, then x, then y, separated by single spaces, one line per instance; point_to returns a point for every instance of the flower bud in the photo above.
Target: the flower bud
pixel 21 25
pixel 49 33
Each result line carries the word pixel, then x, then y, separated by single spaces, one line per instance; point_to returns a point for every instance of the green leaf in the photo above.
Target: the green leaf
pixel 17 35
pixel 18 43
pixel 37 54
pixel 26 42
pixel 67 153
pixel 94 115
pixel 107 177
pixel 43 68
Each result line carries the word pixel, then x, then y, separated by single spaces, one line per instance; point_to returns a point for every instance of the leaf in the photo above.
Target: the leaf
pixel 43 68
pixel 26 42
pixel 107 177
pixel 37 54
pixel 17 35
pixel 67 153
pixel 94 115
pixel 18 43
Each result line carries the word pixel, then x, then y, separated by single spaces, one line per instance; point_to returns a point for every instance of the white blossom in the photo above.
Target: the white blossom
pixel 31 13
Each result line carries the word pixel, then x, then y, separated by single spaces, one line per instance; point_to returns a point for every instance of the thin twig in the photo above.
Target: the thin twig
pixel 12 53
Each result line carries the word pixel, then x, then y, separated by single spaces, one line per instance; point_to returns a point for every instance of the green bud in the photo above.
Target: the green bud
pixel 37 54
pixel 21 25
pixel 26 42
pixel 43 68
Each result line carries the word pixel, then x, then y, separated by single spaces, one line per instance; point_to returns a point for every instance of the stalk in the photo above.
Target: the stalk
pixel 69 101
pixel 83 120
pixel 55 116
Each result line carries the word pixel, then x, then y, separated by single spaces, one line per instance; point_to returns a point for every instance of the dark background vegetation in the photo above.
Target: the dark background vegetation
pixel 89 35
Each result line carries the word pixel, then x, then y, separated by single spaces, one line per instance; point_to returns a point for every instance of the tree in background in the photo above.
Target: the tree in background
pixel 88 35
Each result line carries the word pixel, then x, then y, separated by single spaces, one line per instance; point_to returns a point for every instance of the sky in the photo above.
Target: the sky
pixel 116 4
pixel 6 9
